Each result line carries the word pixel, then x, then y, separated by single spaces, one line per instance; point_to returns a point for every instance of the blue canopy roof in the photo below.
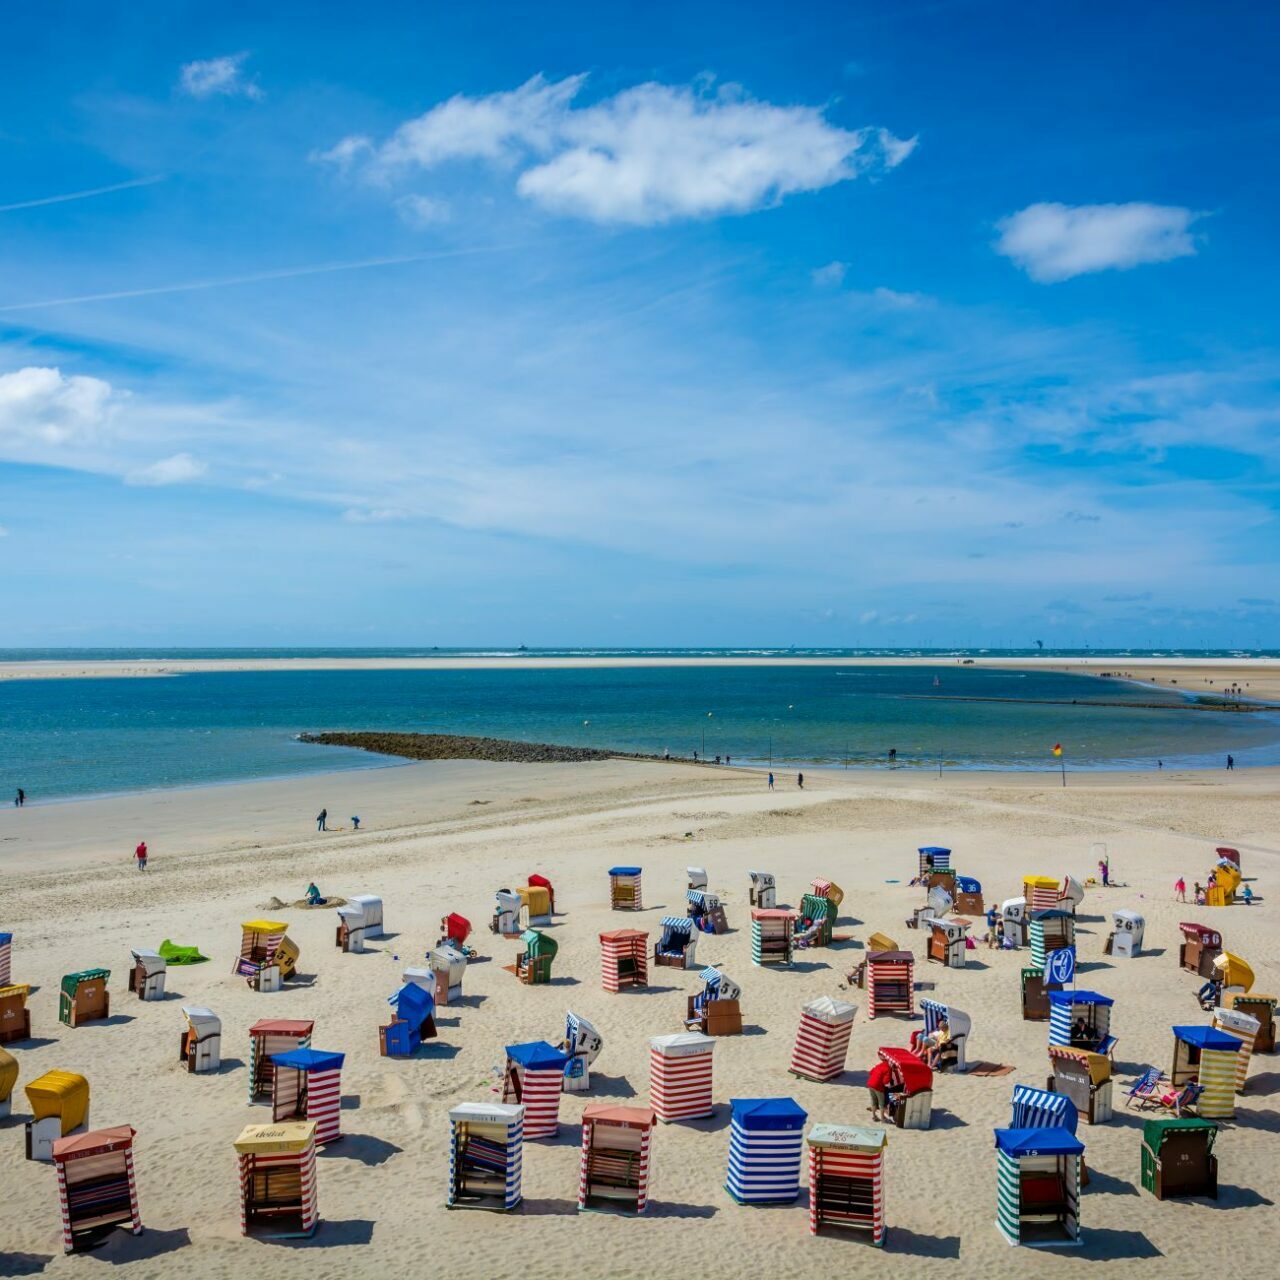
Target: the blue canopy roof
pixel 1078 997
pixel 413 1004
pixel 1039 1142
pixel 309 1060
pixel 933 848
pixel 5 937
pixel 768 1113
pixel 967 884
pixel 677 924
pixel 625 871
pixel 1051 914
pixel 537 1055
pixel 1207 1038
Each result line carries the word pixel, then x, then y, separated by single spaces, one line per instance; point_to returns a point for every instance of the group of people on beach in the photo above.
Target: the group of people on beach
pixel 322 821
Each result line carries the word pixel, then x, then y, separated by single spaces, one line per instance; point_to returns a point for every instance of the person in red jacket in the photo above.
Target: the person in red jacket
pixel 877 1084
pixel 141 854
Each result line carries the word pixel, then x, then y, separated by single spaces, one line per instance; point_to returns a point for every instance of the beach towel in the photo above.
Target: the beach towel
pixel 175 954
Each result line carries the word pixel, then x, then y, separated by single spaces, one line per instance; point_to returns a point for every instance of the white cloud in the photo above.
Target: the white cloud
pixel 899 300
pixel 219 77
pixel 421 211
pixel 39 405
pixel 499 126
pixel 345 152
pixel 1053 242
pixel 373 515
pixel 182 468
pixel 831 276
pixel 4 533
pixel 650 154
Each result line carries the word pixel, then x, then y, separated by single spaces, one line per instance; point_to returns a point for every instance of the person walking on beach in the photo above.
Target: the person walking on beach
pixel 355 822
pixel 20 799
pixel 800 781
pixel 1104 870
pixel 771 782
pixel 141 854
pixel 1231 762
pixel 877 1087
pixel 1180 890
pixel 322 819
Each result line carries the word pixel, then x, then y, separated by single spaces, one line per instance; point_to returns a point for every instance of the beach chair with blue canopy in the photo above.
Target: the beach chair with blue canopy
pixel 412 1022
pixel 1207 1057
pixel 968 896
pixel 766 1147
pixel 626 892
pixel 581 1045
pixel 933 858
pixel 1081 1020
pixel 1039 1109
pixel 715 1010
pixel 706 911
pixel 677 943
pixel 1038 1186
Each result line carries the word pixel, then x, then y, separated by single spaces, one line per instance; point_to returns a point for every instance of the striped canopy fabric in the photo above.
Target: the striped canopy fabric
pixel 1040 1109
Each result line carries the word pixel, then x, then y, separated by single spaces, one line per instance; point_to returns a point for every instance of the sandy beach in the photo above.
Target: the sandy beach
pixel 1258 678
pixel 442 837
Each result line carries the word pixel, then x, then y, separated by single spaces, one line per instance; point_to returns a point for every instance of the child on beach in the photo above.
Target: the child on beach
pixel 141 854
pixel 1247 895
pixel 1180 890
pixel 355 822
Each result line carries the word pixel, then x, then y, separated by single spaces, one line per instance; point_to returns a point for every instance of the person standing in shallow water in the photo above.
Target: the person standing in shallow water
pixel 1231 762
pixel 321 819
pixel 20 799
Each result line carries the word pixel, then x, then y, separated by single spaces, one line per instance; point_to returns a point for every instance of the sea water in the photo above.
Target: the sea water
pixel 70 737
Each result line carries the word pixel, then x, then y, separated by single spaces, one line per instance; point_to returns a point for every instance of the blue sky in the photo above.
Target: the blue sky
pixel 868 324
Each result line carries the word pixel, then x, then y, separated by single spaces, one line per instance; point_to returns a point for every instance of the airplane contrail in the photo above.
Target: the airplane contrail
pixel 84 195
pixel 284 273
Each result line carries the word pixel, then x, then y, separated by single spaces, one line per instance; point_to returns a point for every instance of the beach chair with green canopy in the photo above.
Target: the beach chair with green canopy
pixel 84 997
pixel 175 954
pixel 822 913
pixel 533 964
pixel 1178 1159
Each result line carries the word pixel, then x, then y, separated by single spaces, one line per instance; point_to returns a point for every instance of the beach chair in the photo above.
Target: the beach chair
pixel 1181 1100
pixel 1144 1086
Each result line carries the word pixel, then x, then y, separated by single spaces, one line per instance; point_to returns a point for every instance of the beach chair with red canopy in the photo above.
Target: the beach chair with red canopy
pixel 910 1092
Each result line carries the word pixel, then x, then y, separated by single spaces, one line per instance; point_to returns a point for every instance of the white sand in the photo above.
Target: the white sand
pixel 72 898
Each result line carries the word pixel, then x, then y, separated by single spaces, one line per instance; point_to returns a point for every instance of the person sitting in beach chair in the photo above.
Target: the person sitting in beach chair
pixel 1180 1100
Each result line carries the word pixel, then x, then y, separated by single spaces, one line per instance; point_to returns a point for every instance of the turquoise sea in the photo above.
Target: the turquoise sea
pixel 63 738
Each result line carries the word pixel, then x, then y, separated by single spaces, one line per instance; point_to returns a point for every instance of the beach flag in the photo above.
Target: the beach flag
pixel 1057 748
